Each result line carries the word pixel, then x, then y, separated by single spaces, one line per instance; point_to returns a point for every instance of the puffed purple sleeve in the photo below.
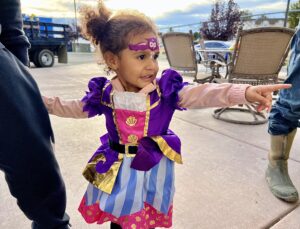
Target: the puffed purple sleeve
pixel 92 99
pixel 170 84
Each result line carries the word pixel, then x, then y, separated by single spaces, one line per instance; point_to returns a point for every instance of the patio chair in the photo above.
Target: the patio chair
pixel 208 56
pixel 257 59
pixel 181 56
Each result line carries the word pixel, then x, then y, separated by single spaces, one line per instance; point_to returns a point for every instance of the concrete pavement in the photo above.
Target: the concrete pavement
pixel 220 185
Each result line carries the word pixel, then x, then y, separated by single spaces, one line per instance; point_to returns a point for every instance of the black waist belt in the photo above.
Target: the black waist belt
pixel 123 148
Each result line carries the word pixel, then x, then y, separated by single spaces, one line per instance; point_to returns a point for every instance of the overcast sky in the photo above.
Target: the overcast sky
pixel 163 12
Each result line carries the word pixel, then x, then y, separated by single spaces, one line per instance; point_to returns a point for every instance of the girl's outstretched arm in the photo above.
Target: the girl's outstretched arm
pixel 64 108
pixel 212 95
pixel 226 94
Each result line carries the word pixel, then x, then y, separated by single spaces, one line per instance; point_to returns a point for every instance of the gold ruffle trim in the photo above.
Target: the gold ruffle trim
pixel 103 181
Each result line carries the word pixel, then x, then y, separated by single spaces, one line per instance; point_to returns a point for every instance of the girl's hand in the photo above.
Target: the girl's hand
pixel 262 94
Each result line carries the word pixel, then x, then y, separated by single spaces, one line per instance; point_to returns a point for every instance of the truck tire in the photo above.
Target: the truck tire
pixel 43 58
pixel 35 59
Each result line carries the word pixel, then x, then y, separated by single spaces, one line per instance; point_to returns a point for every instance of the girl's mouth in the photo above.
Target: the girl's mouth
pixel 148 77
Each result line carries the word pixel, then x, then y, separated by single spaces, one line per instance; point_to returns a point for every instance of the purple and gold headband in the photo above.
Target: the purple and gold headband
pixel 151 44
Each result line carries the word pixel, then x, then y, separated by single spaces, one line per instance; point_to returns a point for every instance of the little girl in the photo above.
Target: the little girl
pixel 131 175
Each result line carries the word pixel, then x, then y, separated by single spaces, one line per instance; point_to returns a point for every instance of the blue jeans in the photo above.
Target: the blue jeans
pixel 285 114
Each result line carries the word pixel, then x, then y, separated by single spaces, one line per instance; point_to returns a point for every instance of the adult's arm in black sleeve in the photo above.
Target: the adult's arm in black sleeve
pixel 11 32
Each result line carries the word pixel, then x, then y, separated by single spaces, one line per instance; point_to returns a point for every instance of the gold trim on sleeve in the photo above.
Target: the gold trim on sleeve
pixel 167 150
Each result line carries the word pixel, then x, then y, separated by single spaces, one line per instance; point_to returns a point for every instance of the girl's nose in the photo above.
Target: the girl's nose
pixel 152 63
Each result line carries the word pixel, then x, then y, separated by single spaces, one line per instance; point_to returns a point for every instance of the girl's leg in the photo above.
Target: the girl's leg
pixel 115 226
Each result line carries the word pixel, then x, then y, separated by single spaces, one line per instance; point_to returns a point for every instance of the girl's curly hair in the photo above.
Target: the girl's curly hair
pixel 113 30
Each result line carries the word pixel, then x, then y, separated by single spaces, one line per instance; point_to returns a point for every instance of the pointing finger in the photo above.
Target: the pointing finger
pixel 275 87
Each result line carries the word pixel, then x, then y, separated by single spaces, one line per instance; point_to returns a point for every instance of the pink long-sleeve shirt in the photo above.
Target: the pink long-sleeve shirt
pixel 190 97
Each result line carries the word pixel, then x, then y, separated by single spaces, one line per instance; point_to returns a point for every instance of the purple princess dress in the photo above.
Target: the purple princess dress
pixel 131 175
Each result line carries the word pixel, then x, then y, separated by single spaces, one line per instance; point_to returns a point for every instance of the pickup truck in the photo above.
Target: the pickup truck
pixel 47 40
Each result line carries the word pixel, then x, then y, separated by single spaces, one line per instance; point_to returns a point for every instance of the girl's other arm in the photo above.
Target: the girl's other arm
pixel 65 108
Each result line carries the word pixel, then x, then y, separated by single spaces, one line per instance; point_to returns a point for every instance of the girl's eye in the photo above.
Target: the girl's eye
pixel 156 56
pixel 141 57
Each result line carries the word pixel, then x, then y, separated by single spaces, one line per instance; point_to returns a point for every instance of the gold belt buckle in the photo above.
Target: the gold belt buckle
pixel 127 151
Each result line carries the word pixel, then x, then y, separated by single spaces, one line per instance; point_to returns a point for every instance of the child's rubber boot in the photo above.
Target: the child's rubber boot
pixel 277 175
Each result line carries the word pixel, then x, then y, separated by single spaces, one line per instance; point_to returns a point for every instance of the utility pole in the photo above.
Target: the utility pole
pixel 286 12
pixel 76 31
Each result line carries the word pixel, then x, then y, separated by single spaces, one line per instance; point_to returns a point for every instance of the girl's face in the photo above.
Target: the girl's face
pixel 137 66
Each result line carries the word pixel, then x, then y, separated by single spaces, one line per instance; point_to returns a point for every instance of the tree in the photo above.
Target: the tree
pixel 224 21
pixel 232 19
pixel 293 17
pixel 196 35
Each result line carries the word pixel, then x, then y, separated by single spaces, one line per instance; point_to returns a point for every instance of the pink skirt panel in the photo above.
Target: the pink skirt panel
pixel 148 217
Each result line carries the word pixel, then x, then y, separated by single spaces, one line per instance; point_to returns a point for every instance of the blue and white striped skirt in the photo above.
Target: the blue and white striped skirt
pixel 132 188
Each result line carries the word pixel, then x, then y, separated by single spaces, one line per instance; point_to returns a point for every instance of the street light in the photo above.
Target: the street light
pixel 286 12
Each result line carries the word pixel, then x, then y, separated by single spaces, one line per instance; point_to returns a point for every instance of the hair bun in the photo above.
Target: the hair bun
pixel 93 22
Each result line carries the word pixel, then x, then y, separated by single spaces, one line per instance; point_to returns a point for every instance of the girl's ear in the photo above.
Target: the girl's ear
pixel 111 60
